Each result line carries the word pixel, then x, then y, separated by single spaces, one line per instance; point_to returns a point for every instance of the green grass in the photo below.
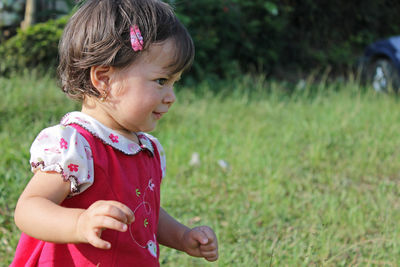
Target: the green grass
pixel 313 177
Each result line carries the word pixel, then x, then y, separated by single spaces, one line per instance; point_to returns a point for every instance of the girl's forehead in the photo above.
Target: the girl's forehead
pixel 162 54
pixel 164 51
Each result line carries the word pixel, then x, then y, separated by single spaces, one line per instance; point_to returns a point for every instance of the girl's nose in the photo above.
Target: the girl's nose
pixel 170 97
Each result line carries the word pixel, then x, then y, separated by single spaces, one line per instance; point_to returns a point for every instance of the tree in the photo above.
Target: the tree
pixel 30 14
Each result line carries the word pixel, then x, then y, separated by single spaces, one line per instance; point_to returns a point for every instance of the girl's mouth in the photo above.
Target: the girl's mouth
pixel 158 115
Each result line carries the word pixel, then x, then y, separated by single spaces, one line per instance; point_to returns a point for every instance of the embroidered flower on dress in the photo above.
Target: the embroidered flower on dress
pixel 73 167
pixel 63 144
pixel 114 138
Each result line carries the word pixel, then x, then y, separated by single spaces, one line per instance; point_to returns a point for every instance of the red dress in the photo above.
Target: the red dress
pixel 130 179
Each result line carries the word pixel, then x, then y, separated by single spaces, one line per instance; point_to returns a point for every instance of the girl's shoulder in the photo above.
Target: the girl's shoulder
pixel 57 139
pixel 62 149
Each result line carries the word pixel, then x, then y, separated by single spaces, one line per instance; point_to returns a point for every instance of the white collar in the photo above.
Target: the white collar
pixel 107 135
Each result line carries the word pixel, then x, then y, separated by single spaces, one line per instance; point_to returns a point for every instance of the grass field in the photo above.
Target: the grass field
pixel 313 176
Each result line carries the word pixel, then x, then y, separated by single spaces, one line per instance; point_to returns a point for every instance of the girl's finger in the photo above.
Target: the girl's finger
pixel 97 242
pixel 109 223
pixel 125 209
pixel 210 255
pixel 115 210
pixel 208 232
pixel 208 247
pixel 199 236
pixel 212 258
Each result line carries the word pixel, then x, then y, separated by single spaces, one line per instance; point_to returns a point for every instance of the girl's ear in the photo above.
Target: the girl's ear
pixel 100 77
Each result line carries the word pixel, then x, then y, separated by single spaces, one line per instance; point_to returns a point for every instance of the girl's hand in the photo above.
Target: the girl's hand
pixel 201 242
pixel 103 215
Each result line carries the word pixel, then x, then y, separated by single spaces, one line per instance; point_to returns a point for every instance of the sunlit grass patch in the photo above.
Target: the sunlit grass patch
pixel 312 174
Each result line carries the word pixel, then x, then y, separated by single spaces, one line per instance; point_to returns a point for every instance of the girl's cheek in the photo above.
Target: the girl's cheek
pixel 119 90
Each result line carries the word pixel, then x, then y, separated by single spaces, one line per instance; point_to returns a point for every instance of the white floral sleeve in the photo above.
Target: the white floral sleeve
pixel 62 149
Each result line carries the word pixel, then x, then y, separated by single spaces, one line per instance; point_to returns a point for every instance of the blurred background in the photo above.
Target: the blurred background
pixel 282 39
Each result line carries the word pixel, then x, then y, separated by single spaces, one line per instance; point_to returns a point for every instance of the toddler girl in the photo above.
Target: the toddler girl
pixel 94 198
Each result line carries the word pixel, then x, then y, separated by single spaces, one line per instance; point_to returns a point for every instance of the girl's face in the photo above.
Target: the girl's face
pixel 142 93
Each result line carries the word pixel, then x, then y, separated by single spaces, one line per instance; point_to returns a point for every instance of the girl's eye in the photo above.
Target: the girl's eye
pixel 161 81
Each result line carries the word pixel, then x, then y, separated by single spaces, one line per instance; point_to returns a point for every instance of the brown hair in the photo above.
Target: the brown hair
pixel 98 35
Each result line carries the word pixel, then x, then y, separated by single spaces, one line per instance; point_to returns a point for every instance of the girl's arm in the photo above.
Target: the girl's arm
pixel 39 214
pixel 198 242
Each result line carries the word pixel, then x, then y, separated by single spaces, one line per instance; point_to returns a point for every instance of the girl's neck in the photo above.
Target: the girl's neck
pixel 91 108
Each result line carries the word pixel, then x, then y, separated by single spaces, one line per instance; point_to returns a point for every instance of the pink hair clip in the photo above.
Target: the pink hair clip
pixel 136 38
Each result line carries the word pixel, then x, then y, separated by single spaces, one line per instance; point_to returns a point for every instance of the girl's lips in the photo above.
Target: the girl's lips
pixel 158 115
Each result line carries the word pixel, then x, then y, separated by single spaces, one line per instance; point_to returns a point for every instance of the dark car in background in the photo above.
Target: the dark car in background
pixel 381 65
